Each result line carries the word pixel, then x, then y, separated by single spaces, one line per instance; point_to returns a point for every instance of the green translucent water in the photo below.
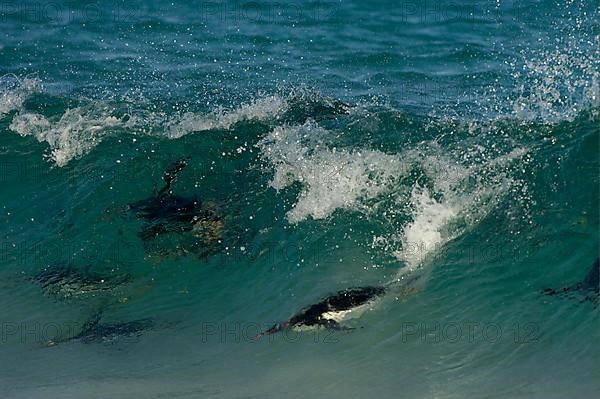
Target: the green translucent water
pixel 341 144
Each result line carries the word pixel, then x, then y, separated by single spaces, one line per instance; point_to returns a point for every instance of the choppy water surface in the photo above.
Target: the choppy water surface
pixel 448 149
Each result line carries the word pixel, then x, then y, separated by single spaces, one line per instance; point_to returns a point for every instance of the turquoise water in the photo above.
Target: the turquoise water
pixel 341 144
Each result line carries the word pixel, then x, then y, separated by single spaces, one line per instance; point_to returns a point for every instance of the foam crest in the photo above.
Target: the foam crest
pixel 424 234
pixel 458 199
pixel 14 92
pixel 263 108
pixel 75 134
pixel 331 179
pixel 447 199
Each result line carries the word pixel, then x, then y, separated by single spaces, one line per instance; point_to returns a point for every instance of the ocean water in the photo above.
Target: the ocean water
pixel 449 148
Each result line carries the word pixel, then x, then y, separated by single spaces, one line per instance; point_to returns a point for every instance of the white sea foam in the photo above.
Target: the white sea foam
pixel 80 129
pixel 14 92
pixel 424 234
pixel 333 179
pixel 461 197
pixel 260 109
pixel 74 134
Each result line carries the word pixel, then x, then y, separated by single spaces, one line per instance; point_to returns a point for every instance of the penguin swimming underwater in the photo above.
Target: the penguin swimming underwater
pixel 328 312
pixel 95 332
pixel 331 311
pixel 166 212
pixel 586 290
pixel 63 281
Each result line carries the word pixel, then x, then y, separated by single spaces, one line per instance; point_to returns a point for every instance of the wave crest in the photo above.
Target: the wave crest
pixel 76 133
pixel 14 92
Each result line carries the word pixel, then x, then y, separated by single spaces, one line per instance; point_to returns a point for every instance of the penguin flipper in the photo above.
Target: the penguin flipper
pixel 171 173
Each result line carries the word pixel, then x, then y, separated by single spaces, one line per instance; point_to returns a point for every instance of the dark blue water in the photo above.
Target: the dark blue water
pixel 449 149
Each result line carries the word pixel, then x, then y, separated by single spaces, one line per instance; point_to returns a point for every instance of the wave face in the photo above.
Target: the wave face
pixel 448 151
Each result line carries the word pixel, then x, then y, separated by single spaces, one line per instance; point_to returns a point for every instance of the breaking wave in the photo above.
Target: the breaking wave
pixel 73 135
pixel 444 197
pixel 14 92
